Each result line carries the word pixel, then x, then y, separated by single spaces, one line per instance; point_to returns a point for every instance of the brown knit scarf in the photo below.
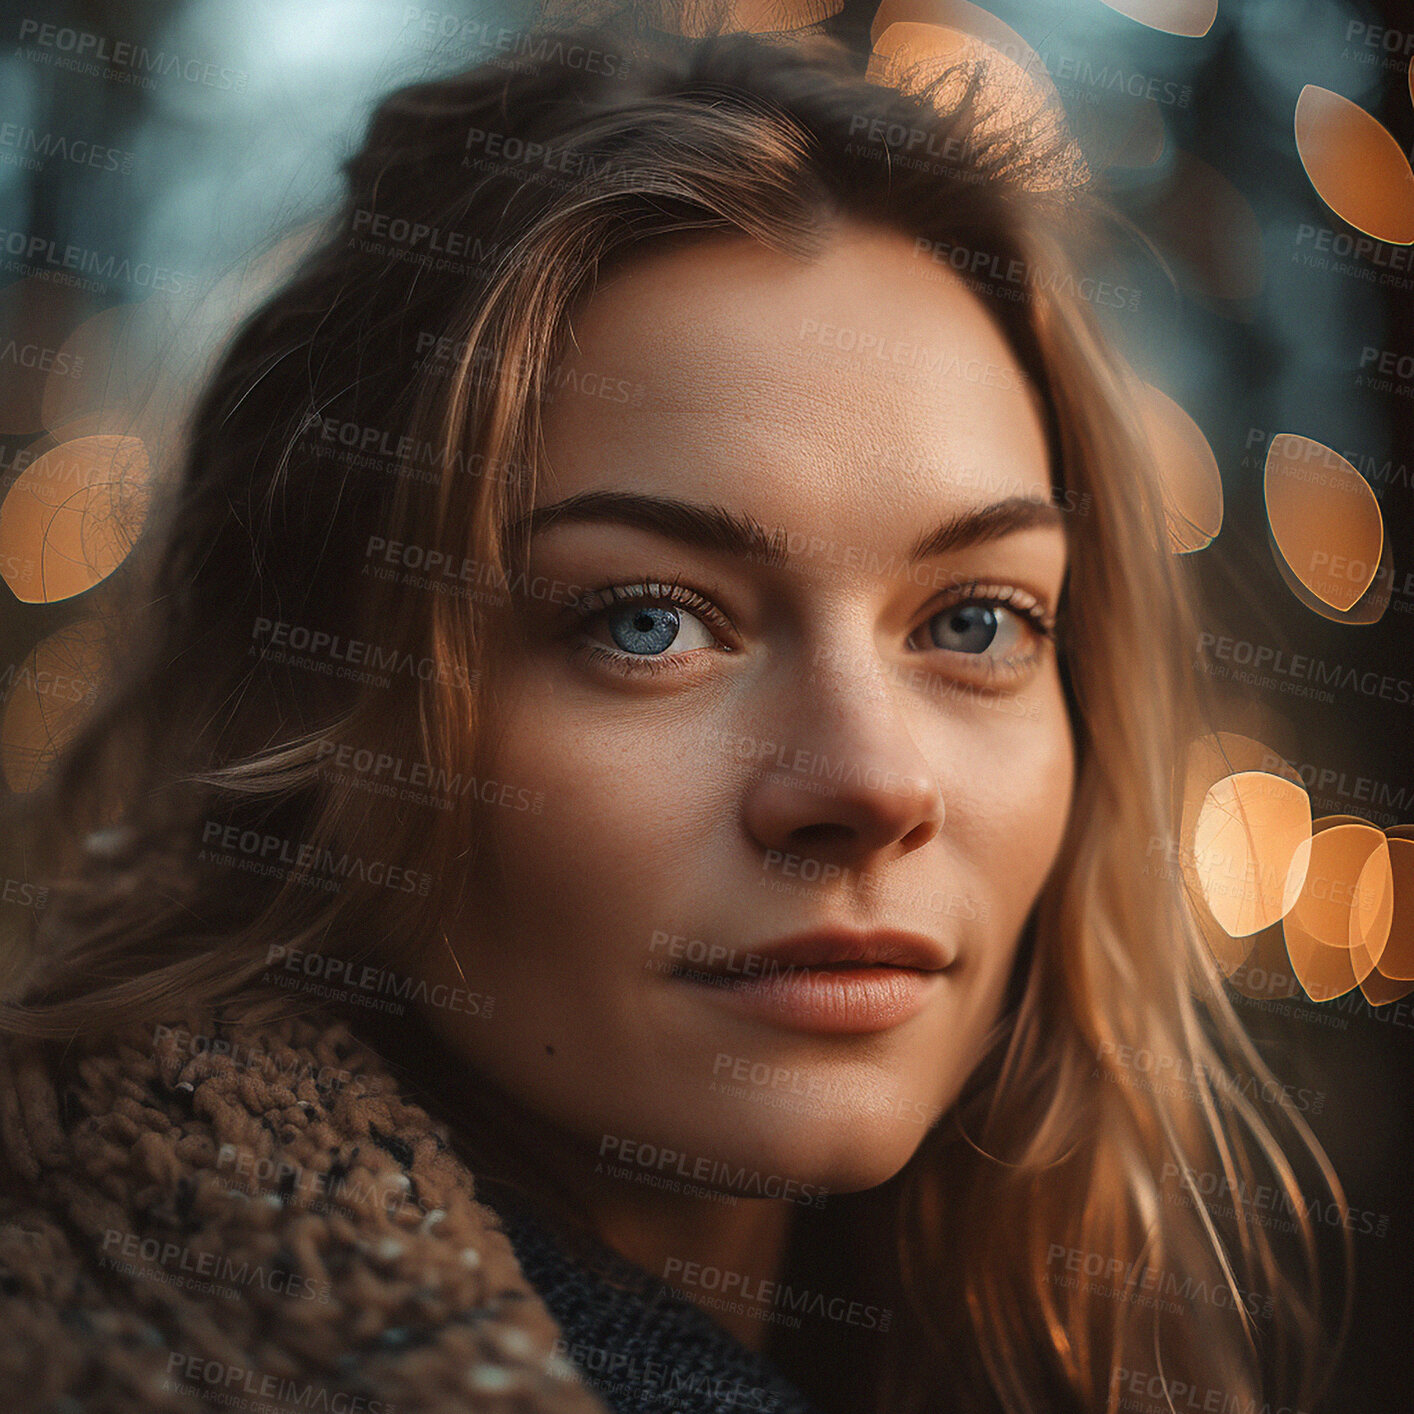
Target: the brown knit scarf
pixel 207 1215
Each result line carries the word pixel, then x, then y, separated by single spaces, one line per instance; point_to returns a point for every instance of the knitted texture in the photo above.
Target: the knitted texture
pixel 641 1347
pixel 269 1229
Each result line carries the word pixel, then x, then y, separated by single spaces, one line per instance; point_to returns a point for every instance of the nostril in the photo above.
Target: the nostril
pixel 823 834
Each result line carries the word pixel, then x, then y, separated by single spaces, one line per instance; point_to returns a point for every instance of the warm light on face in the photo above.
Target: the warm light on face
pixel 800 678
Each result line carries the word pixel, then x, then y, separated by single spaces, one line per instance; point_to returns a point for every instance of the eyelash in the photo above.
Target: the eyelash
pixel 994 671
pixel 590 606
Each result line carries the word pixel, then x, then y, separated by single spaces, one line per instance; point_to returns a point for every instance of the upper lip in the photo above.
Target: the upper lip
pixel 878 947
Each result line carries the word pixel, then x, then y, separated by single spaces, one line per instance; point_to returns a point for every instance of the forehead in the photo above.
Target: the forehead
pixel 859 384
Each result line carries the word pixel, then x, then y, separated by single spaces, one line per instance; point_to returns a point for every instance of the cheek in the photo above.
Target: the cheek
pixel 621 811
pixel 1009 804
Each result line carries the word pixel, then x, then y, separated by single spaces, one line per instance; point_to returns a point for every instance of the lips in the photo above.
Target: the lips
pixel 844 948
pixel 831 981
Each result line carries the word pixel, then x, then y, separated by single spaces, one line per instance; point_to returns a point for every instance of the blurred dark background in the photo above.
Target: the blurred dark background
pixel 153 157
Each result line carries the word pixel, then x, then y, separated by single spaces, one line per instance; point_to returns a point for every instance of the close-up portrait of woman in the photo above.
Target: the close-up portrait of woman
pixel 640 791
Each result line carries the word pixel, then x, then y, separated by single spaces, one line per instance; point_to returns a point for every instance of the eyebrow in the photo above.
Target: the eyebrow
pixel 744 537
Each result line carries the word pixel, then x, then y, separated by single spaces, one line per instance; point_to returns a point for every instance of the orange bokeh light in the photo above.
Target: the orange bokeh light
pixel 1189 19
pixel 1355 164
pixel 1324 519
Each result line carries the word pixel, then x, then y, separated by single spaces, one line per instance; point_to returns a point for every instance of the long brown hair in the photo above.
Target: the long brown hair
pixel 392 388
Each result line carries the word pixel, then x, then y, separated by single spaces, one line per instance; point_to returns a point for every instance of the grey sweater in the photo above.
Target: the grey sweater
pixel 638 1345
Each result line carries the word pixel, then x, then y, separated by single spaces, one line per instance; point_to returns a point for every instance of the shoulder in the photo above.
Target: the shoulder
pixel 202 1210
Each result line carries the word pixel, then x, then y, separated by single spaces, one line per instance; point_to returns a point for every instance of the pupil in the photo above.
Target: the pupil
pixel 644 631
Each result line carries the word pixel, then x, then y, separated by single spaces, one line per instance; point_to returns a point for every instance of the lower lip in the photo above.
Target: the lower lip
pixel 838 1001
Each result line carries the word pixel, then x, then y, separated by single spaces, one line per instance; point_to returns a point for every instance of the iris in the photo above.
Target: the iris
pixel 644 629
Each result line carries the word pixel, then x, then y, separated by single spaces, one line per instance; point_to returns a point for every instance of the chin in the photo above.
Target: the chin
pixel 801 1157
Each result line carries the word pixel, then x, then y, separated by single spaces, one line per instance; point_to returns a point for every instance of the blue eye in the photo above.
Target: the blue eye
pixel 985 629
pixel 965 628
pixel 649 626
pixel 645 628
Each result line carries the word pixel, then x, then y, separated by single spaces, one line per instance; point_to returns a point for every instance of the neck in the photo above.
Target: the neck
pixel 697 1245
pixel 705 1248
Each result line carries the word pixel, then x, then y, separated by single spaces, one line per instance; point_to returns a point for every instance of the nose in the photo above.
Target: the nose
pixel 848 784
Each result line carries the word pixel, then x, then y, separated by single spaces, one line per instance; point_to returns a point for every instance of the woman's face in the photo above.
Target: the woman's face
pixel 804 753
